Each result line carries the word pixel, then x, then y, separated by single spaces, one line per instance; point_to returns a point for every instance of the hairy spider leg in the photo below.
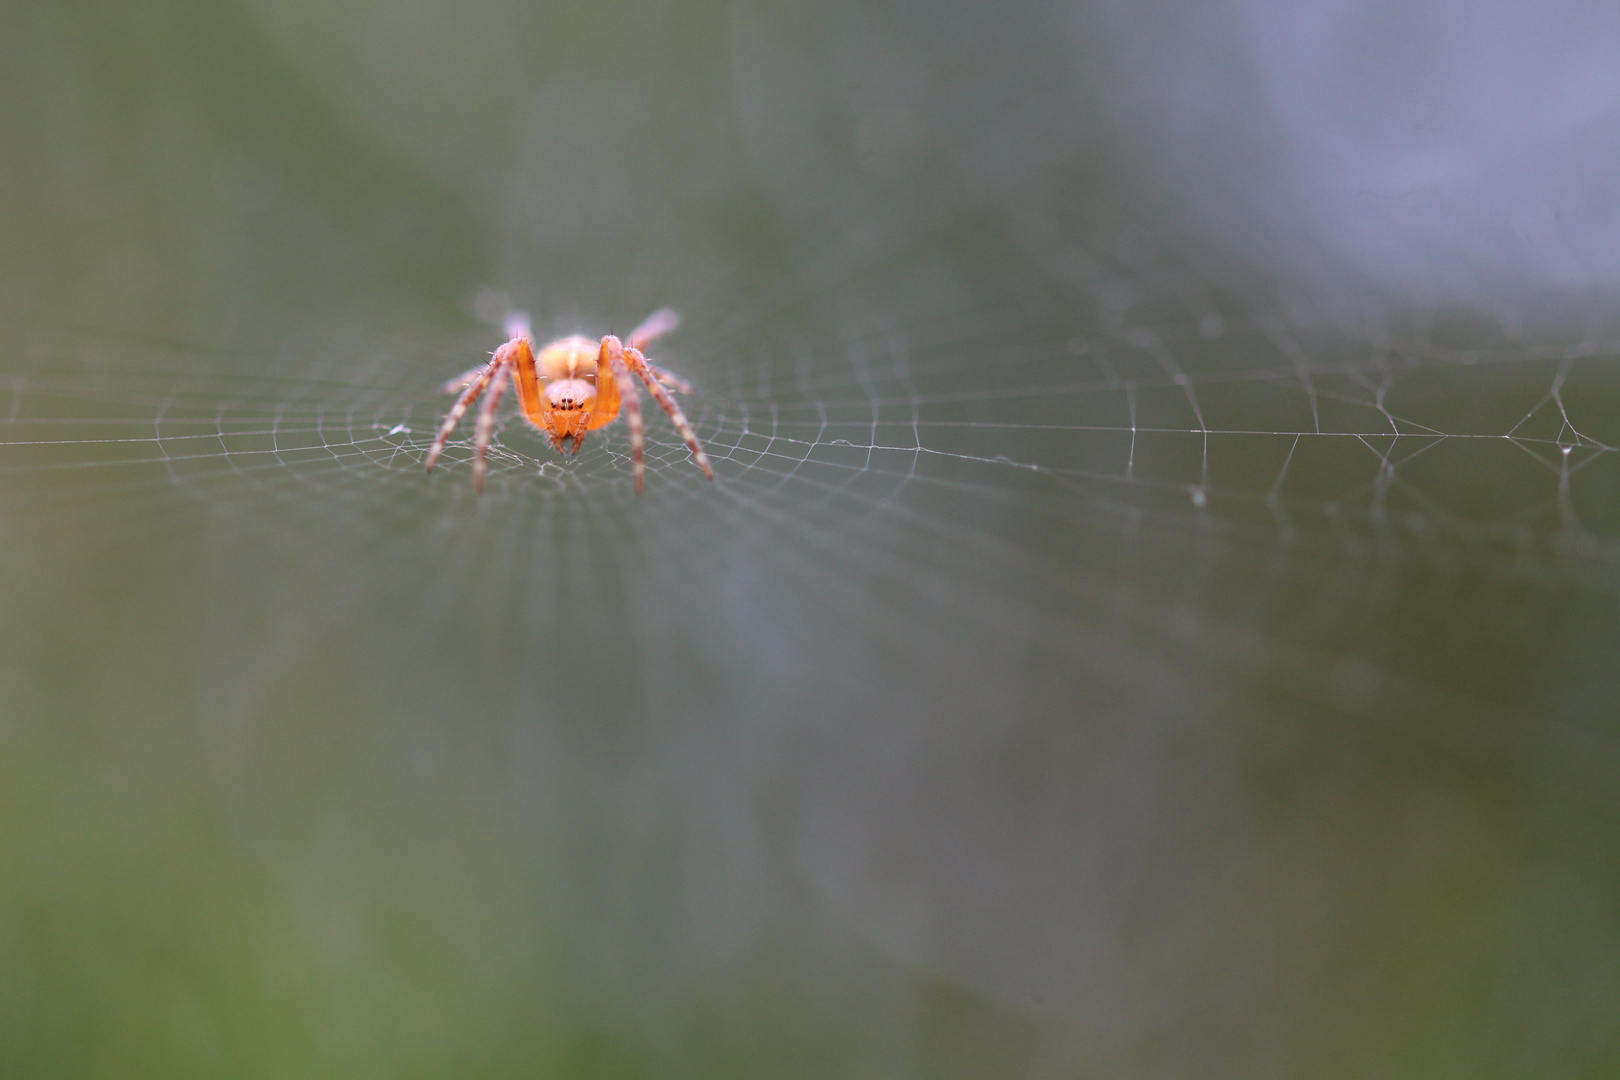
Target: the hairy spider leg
pixel 669 379
pixel 652 328
pixel 462 381
pixel 638 363
pixel 517 326
pixel 486 428
pixel 613 353
pixel 475 386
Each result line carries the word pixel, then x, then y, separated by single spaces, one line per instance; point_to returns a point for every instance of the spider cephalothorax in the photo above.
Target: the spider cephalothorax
pixel 573 386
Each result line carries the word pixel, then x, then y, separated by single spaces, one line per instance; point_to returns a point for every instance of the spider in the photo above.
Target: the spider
pixel 573 386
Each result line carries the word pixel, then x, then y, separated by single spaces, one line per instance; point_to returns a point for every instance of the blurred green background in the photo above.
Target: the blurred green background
pixel 1155 617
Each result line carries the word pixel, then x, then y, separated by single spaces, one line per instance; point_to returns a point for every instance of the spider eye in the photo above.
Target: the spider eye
pixel 568 395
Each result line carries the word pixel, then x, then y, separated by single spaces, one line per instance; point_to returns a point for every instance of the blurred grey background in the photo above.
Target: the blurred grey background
pixel 1155 617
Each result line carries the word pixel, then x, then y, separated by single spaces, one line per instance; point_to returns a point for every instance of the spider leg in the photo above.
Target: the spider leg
pixel 486 427
pixel 475 386
pixel 653 327
pixel 670 380
pixel 517 325
pixel 464 380
pixel 613 352
pixel 638 363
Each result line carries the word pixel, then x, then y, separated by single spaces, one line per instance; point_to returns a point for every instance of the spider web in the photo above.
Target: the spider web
pixel 1067 587
pixel 1376 520
pixel 965 497
pixel 1109 431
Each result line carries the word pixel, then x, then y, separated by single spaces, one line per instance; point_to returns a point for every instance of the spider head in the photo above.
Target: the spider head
pixel 570 395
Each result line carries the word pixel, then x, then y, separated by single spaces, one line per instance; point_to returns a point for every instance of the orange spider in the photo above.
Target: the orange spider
pixel 573 386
